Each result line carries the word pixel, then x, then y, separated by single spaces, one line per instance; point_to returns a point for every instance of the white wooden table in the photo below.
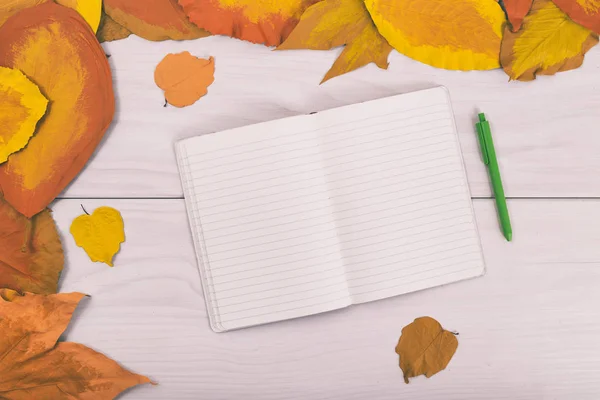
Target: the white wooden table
pixel 529 329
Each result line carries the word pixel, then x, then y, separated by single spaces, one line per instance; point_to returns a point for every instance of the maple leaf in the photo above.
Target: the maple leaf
pixel 31 255
pixel 34 366
pixel 184 78
pixel 548 42
pixel 333 23
pixel 425 348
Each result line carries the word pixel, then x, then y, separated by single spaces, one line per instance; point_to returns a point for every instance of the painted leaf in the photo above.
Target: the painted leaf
pixel 99 234
pixel 332 23
pixel 31 255
pixel 548 42
pixel 21 107
pixel 109 30
pixel 90 10
pixel 584 12
pixel 153 19
pixel 184 78
pixel 55 48
pixel 425 348
pixel 516 11
pixel 461 34
pixel 257 21
pixel 35 366
pixel 11 7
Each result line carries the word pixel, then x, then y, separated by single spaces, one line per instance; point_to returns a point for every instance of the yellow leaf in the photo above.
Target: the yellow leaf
pixel 90 10
pixel 332 23
pixel 100 234
pixel 425 348
pixel 548 42
pixel 459 34
pixel 21 107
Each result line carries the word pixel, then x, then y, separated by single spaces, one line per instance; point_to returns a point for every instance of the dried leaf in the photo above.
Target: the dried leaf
pixel 548 42
pixel 35 366
pixel 584 12
pixel 109 30
pixel 461 34
pixel 153 20
pixel 99 234
pixel 55 48
pixel 425 348
pixel 516 11
pixel 184 78
pixel 11 7
pixel 257 21
pixel 21 107
pixel 31 255
pixel 332 23
pixel 90 10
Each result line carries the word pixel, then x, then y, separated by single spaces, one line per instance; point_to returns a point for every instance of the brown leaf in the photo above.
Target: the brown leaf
pixel 425 348
pixel 109 30
pixel 184 78
pixel 31 255
pixel 332 23
pixel 35 366
pixel 153 20
pixel 55 48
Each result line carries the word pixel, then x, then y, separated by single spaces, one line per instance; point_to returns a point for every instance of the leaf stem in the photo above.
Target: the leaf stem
pixel 84 210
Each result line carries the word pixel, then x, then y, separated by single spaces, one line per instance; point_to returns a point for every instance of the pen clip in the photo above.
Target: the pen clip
pixel 484 153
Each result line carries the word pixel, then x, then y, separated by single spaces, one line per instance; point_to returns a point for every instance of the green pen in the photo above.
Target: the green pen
pixel 489 158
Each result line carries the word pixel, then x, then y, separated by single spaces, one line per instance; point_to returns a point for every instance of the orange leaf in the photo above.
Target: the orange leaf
pixel 516 11
pixel 31 255
pixel 55 48
pixel 10 7
pixel 109 30
pixel 584 12
pixel 153 20
pixel 333 23
pixel 184 78
pixel 35 366
pixel 257 21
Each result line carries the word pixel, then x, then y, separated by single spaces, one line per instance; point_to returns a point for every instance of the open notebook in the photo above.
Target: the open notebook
pixel 317 212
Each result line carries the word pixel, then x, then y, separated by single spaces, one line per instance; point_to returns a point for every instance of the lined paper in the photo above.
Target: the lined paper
pixel 314 213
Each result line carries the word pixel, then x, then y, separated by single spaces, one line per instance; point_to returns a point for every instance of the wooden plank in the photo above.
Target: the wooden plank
pixel 528 329
pixel 545 130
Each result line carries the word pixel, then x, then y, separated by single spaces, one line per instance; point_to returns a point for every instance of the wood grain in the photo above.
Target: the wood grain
pixel 528 329
pixel 545 131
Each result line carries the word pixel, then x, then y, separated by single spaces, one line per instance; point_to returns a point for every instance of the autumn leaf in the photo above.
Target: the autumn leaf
pixel 184 78
pixel 584 12
pixel 11 7
pixel 333 23
pixel 257 21
pixel 516 10
pixel 55 48
pixel 31 255
pixel 21 107
pixel 153 20
pixel 109 30
pixel 461 34
pixel 548 42
pixel 99 234
pixel 425 348
pixel 35 366
pixel 90 10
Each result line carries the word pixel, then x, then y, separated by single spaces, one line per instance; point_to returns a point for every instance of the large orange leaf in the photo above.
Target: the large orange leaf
pixel 333 23
pixel 55 48
pixel 34 366
pixel 31 255
pixel 10 7
pixel 153 19
pixel 516 10
pixel 548 42
pixel 458 34
pixel 257 21
pixel 584 12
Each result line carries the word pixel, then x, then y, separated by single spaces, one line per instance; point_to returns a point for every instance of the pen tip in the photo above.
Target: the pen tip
pixel 508 236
